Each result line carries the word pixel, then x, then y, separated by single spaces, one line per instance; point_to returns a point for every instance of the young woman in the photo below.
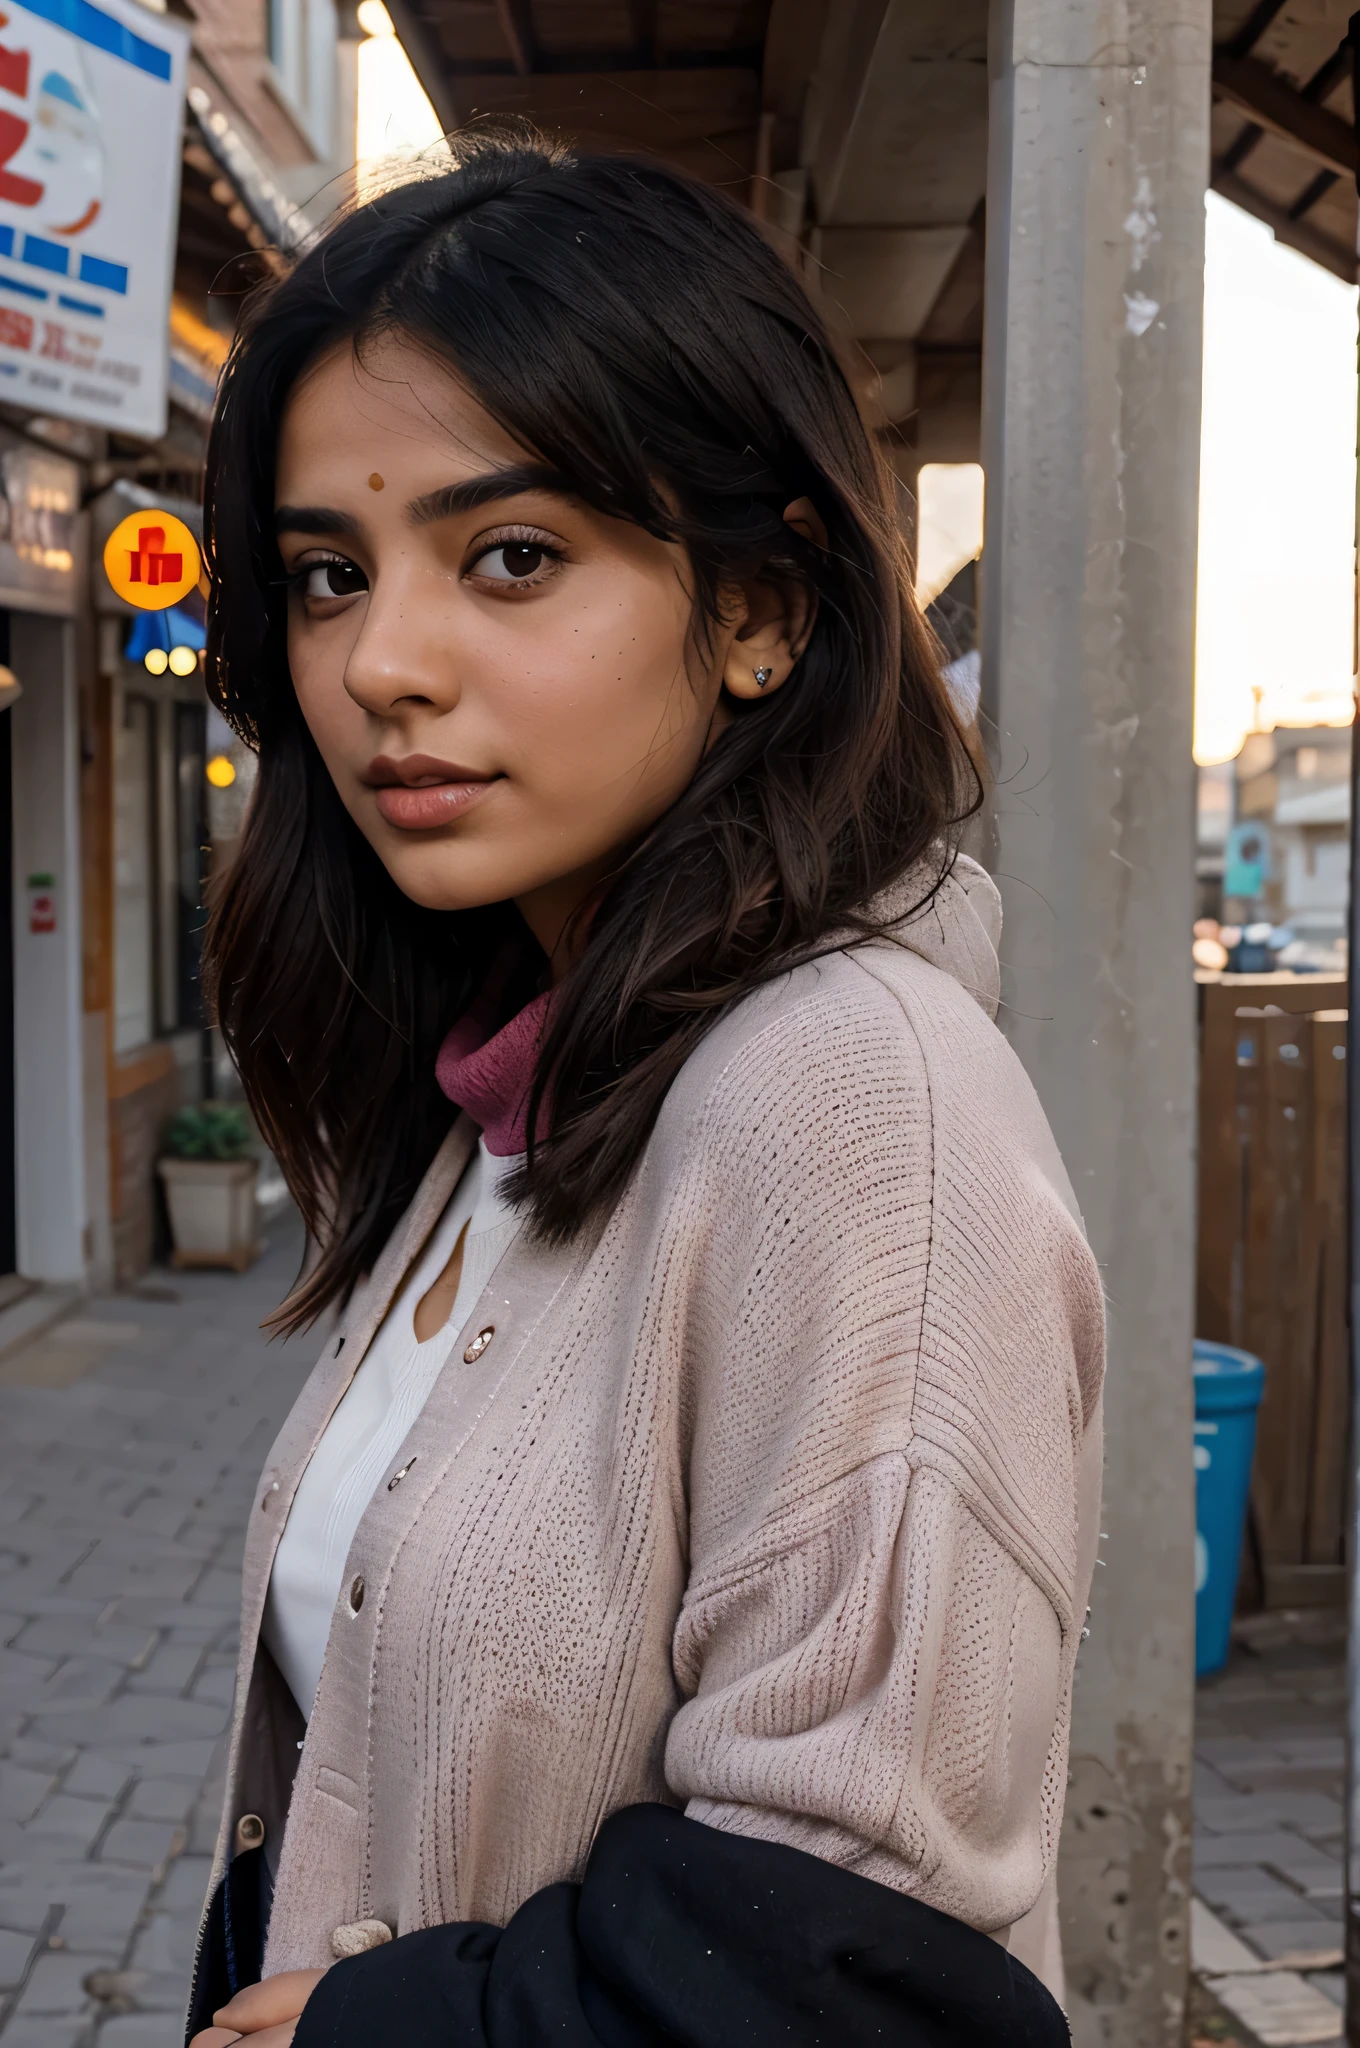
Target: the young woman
pixel 661 1605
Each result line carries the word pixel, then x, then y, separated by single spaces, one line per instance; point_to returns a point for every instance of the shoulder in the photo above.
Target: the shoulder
pixel 868 1052
pixel 825 1042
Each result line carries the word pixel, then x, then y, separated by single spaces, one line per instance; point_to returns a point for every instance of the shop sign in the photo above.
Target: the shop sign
pixel 1246 860
pixel 42 903
pixel 91 102
pixel 151 560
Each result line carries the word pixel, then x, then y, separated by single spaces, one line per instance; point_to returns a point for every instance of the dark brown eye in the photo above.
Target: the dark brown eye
pixel 512 561
pixel 337 578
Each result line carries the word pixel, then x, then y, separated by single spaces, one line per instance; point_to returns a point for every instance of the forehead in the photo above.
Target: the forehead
pixel 388 407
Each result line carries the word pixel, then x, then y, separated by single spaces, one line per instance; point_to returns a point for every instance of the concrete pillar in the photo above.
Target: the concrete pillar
pixel 1095 230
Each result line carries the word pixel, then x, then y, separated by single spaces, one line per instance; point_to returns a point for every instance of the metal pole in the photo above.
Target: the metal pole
pixel 1353 1297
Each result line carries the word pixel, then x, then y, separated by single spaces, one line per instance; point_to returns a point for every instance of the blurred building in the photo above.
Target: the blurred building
pixel 1273 838
pixel 110 823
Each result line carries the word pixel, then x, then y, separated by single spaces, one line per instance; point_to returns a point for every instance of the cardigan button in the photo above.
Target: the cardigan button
pixel 356 1596
pixel 249 1832
pixel 479 1344
pixel 358 1937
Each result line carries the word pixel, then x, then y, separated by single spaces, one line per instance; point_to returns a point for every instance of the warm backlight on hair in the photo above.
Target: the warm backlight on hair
pixel 220 772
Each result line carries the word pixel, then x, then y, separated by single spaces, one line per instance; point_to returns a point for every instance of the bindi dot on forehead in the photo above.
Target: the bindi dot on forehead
pixel 375 482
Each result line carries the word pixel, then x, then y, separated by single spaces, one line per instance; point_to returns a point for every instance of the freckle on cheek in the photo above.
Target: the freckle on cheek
pixel 375 482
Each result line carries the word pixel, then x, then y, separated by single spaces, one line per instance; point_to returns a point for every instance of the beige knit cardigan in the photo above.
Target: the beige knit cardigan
pixel 775 1498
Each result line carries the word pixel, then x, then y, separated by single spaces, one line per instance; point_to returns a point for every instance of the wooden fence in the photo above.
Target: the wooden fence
pixel 1272 1258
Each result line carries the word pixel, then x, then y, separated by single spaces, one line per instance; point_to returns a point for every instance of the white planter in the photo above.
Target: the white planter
pixel 212 1211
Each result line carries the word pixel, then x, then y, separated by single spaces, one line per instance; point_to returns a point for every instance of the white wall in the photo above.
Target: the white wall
pixel 1316 879
pixel 48 1048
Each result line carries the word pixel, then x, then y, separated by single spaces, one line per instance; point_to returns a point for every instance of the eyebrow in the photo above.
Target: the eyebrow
pixel 313 519
pixel 514 482
pixel 445 503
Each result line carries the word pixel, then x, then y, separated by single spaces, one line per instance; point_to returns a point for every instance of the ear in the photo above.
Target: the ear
pixel 802 515
pixel 779 612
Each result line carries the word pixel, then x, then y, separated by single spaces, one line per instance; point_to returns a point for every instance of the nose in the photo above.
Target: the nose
pixel 403 656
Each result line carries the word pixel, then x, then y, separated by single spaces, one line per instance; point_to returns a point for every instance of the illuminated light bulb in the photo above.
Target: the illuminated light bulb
pixel 155 661
pixel 220 772
pixel 183 661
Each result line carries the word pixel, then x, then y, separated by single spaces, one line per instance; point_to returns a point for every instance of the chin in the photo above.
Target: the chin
pixel 425 884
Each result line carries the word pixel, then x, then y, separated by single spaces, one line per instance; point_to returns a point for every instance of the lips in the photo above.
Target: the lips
pixel 420 793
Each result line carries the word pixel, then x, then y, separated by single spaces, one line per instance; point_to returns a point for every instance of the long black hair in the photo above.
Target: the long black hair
pixel 633 329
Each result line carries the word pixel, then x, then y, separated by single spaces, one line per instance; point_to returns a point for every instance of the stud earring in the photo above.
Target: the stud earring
pixel 763 676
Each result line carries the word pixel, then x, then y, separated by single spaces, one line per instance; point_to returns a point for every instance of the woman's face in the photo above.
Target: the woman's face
pixel 503 683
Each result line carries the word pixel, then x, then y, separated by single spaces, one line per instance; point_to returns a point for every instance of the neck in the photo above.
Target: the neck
pixel 558 914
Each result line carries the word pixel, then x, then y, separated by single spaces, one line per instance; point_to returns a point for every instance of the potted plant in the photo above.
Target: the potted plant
pixel 209 1177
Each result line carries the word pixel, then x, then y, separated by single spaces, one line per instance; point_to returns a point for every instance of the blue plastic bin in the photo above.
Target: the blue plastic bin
pixel 1228 1386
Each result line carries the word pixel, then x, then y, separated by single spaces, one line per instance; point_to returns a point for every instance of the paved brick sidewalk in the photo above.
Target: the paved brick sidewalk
pixel 131 1436
pixel 1269 1783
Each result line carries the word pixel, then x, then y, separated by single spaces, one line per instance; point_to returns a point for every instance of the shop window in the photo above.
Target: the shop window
pixel 300 37
pixel 158 868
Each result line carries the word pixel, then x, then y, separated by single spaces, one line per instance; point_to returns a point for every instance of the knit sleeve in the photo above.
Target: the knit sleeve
pixel 885 1689
pixel 893 1394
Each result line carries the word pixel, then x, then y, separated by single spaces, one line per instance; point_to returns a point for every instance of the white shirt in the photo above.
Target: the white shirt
pixel 394 1380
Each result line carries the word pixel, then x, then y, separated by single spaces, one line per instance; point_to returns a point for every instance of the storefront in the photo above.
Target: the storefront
pixel 128 231
pixel 49 1209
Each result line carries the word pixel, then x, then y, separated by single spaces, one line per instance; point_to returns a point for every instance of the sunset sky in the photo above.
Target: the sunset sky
pixel 1277 491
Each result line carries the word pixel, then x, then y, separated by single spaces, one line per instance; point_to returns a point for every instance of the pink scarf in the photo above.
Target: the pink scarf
pixel 490 1076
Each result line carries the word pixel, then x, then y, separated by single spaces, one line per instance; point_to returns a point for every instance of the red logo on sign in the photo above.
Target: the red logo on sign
pixel 14 71
pixel 57 344
pixel 16 329
pixel 42 911
pixel 14 78
pixel 150 563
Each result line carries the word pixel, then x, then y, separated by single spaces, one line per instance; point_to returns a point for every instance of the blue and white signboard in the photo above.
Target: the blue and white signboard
pixel 91 112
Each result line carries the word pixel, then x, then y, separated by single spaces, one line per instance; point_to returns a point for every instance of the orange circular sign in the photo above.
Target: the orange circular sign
pixel 152 560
